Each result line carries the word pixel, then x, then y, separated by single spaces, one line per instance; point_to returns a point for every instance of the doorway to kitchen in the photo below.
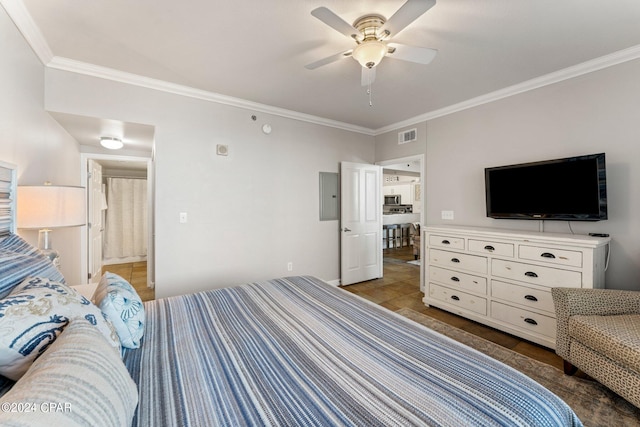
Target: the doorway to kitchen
pixel 404 204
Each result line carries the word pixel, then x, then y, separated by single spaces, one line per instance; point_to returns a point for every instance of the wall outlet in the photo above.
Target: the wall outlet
pixel 183 217
pixel 447 215
pixel 289 266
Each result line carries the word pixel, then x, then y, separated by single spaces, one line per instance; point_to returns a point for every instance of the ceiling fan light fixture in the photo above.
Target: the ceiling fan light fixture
pixel 111 143
pixel 370 53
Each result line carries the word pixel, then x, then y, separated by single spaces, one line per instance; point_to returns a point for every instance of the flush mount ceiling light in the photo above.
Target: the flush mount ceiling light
pixel 111 143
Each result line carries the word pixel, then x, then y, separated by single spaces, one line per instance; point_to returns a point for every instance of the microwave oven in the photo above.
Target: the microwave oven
pixel 392 199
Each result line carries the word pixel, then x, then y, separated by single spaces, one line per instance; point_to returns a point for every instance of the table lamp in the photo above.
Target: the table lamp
pixel 45 207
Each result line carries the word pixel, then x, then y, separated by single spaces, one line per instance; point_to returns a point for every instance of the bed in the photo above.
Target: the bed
pixel 297 351
pixel 285 352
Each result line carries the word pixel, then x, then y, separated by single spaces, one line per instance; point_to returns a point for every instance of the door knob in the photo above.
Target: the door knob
pixel 346 229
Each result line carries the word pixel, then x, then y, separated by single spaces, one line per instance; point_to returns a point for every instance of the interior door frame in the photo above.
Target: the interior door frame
pixel 84 237
pixel 423 182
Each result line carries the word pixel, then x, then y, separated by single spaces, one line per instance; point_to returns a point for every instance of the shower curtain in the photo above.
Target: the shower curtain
pixel 126 219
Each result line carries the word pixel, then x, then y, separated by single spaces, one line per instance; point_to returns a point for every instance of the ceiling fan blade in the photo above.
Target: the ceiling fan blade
pixel 421 55
pixel 368 76
pixel 408 12
pixel 329 59
pixel 337 23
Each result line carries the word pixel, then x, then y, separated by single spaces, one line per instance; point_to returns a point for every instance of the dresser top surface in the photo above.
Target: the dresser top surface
pixel 522 235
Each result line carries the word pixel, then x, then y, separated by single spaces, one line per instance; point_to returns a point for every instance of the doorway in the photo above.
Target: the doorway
pixel 403 178
pixel 136 172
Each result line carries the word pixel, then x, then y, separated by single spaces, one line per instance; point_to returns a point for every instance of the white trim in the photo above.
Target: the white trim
pixel 66 64
pixel 596 64
pixel 335 283
pixel 30 31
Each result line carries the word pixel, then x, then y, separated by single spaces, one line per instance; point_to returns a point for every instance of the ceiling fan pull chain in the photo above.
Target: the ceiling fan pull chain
pixel 369 90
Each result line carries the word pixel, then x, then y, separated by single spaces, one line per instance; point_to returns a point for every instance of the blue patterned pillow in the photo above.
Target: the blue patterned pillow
pixel 120 302
pixel 19 260
pixel 33 316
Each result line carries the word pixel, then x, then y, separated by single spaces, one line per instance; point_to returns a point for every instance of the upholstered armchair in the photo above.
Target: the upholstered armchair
pixel 599 333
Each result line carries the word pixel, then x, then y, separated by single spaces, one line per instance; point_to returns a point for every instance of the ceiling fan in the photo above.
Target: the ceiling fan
pixel 372 33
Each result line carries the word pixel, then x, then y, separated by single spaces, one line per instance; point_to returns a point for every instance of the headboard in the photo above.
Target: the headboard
pixel 7 198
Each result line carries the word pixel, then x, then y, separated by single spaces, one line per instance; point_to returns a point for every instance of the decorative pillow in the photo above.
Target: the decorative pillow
pixel 120 302
pixel 19 260
pixel 34 314
pixel 79 381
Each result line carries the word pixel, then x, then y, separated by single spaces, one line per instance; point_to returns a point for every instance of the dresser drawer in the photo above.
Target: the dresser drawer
pixel 553 256
pixel 458 299
pixel 543 276
pixel 494 248
pixel 458 280
pixel 458 261
pixel 524 319
pixel 522 295
pixel 446 241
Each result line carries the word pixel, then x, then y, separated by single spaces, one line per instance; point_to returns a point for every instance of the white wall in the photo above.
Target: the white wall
pixel 32 140
pixel 250 213
pixel 596 112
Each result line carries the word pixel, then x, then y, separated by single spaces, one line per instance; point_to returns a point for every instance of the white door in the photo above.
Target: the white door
pixel 95 226
pixel 360 222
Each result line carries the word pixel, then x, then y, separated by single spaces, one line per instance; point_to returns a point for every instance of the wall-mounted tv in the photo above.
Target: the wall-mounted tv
pixel 569 189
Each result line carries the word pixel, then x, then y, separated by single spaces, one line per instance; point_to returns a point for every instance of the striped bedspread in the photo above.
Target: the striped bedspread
pixel 299 352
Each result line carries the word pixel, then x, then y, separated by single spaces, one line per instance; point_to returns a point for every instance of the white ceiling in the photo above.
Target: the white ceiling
pixel 256 49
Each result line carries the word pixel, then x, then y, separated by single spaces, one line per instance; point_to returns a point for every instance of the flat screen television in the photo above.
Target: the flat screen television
pixel 569 189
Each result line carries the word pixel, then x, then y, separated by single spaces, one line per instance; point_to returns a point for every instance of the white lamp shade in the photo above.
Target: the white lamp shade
pixel 51 206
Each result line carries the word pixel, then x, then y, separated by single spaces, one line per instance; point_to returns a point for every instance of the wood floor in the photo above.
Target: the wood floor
pixel 136 274
pixel 400 287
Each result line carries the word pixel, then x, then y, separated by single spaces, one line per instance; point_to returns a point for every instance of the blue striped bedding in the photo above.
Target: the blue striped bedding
pixel 299 352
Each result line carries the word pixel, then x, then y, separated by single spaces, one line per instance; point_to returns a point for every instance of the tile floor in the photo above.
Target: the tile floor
pixel 400 287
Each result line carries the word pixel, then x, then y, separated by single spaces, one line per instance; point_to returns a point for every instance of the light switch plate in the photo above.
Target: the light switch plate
pixel 447 215
pixel 183 217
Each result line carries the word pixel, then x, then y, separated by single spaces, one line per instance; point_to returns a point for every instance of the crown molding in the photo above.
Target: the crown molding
pixel 66 64
pixel 34 37
pixel 21 17
pixel 590 66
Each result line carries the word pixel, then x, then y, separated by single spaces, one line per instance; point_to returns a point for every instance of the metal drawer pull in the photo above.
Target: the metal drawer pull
pixel 530 274
pixel 530 298
pixel 547 255
pixel 446 242
pixel 455 298
pixel 456 260
pixel 455 279
pixel 530 321
pixel 489 248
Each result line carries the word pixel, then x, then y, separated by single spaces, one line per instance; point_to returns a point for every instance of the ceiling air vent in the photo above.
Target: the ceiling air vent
pixel 408 136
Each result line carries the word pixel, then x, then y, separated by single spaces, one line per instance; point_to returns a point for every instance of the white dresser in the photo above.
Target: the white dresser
pixel 503 278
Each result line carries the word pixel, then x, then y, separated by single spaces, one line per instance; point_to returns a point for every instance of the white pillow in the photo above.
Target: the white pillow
pixel 120 302
pixel 34 314
pixel 79 381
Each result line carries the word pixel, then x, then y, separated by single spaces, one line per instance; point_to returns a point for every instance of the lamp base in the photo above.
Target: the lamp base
pixel 44 244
